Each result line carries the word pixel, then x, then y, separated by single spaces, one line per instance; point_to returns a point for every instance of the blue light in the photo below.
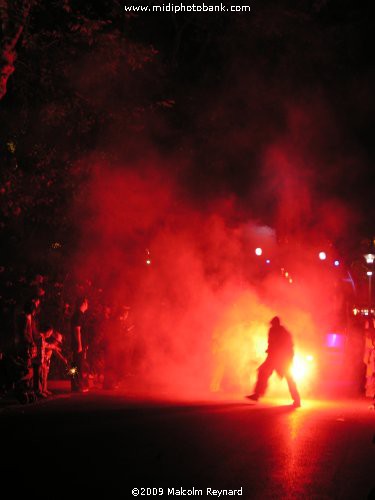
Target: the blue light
pixel 336 263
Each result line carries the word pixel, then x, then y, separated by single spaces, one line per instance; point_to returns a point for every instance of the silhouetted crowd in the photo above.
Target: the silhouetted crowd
pixel 66 329
pixel 71 330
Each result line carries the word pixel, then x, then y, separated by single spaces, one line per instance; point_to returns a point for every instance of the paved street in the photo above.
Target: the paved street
pixel 109 443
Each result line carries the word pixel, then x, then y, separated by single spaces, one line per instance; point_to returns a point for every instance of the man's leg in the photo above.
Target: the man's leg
pixel 293 389
pixel 76 378
pixel 264 372
pixel 37 386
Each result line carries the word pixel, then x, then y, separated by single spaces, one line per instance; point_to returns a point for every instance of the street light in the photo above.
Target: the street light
pixel 369 274
pixel 369 257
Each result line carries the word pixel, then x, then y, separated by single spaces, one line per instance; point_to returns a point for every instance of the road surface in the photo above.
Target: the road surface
pixel 110 444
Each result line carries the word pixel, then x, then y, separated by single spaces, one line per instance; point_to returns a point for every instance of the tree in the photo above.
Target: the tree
pixel 13 16
pixel 78 77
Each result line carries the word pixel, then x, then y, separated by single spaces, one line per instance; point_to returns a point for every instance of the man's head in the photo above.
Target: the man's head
pixel 275 321
pixel 58 337
pixel 36 301
pixel 82 304
pixel 47 330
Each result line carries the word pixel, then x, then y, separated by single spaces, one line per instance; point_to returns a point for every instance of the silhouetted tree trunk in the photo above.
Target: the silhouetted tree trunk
pixel 13 16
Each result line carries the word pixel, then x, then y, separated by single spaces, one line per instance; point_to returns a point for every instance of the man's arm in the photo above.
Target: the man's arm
pixel 77 334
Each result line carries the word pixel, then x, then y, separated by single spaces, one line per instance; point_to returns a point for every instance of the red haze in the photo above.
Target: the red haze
pixel 202 307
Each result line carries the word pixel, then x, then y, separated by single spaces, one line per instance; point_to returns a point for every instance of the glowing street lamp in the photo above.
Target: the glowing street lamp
pixel 258 251
pixel 369 258
pixel 322 255
pixel 369 274
pixel 148 257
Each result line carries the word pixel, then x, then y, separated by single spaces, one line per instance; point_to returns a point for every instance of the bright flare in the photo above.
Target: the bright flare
pixel 302 367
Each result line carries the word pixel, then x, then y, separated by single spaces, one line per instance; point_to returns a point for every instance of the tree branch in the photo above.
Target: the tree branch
pixel 13 16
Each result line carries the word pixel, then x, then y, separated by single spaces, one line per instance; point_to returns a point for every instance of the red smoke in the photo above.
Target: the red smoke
pixel 202 307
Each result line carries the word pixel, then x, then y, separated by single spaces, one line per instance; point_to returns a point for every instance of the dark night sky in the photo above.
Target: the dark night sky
pixel 239 83
pixel 299 73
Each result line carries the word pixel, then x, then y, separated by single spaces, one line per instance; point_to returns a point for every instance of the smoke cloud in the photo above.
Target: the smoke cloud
pixel 260 163
pixel 201 299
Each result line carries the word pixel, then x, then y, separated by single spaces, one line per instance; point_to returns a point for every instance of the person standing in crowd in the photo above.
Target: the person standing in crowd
pixel 37 286
pixel 37 294
pixel 104 327
pixel 280 355
pixel 26 351
pixel 369 357
pixel 37 363
pixel 78 345
pixel 110 333
pixel 118 349
pixel 127 341
pixel 52 344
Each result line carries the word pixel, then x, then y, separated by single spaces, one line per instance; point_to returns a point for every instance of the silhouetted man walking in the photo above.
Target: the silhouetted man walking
pixel 280 357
